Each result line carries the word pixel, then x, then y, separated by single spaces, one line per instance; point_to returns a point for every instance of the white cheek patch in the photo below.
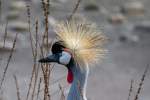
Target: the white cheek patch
pixel 65 58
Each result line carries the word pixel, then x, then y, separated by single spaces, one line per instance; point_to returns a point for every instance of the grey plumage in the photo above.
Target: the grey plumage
pixel 78 87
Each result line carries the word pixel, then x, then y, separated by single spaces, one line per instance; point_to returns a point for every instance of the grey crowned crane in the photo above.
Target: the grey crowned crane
pixel 79 46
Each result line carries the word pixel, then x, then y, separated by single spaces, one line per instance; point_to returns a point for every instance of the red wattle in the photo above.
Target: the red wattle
pixel 70 76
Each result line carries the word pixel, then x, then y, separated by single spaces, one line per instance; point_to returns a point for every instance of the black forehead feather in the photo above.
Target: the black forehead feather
pixel 57 47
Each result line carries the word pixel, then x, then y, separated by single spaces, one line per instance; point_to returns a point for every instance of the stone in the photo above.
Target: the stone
pixel 131 38
pixel 62 1
pixel 104 11
pixel 133 8
pixel 117 18
pixel 143 27
pixel 18 5
pixel 8 46
pixel 12 15
pixel 91 6
pixel 18 26
pixel 122 38
pixel 10 36
pixel 51 20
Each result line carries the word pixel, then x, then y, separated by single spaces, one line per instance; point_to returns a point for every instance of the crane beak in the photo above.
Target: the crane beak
pixel 50 58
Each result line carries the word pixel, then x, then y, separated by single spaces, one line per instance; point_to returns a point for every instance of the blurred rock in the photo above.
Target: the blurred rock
pixel 91 6
pixel 133 8
pixel 79 17
pixel 18 5
pixel 104 11
pixel 143 27
pixel 62 1
pixel 18 26
pixel 124 33
pixel 122 38
pixel 8 46
pixel 131 37
pixel 51 20
pixel 117 18
pixel 10 36
pixel 12 15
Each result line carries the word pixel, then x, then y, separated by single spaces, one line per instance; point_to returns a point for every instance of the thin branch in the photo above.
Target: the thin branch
pixel 35 59
pixel 17 87
pixel 29 27
pixel 31 81
pixel 0 9
pixel 8 61
pixel 39 86
pixel 62 93
pixel 131 89
pixel 141 84
pixel 75 9
pixel 5 35
pixel 36 38
pixel 45 6
pixel 35 81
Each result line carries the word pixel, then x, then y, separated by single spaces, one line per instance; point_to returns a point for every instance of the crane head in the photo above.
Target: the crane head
pixel 59 55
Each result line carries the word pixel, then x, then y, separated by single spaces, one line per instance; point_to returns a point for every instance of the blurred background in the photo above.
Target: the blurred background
pixel 126 23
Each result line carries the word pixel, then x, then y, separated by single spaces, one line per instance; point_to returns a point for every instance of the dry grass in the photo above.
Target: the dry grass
pixel 62 97
pixel 37 46
pixel 31 43
pixel 75 9
pixel 136 97
pixel 39 87
pixel 17 87
pixel 5 35
pixel 141 84
pixel 0 9
pixel 8 61
pixel 45 6
pixel 131 89
pixel 46 68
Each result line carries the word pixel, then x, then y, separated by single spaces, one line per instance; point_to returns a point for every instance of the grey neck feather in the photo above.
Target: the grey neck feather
pixel 78 87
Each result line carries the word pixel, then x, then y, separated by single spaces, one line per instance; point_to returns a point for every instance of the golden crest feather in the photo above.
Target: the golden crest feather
pixel 82 39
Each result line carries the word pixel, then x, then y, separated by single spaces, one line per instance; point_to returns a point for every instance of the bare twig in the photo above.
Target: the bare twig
pixel 75 9
pixel 53 84
pixel 17 87
pixel 46 73
pixel 29 27
pixel 8 61
pixel 45 40
pixel 5 35
pixel 36 38
pixel 35 81
pixel 34 51
pixel 45 14
pixel 62 93
pixel 39 86
pixel 131 89
pixel 35 59
pixel 0 9
pixel 141 84
pixel 31 81
pixel 45 6
pixel 46 21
